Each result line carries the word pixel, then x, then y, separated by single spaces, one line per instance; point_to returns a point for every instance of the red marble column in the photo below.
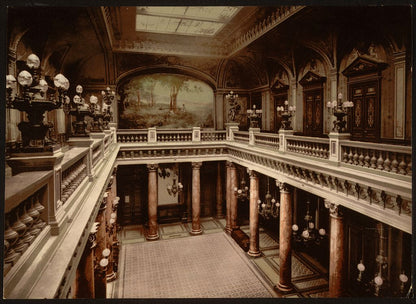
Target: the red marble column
pixel 233 197
pixel 152 233
pixel 196 198
pixel 219 196
pixel 229 192
pixel 100 281
pixel 254 215
pixel 336 251
pixel 285 239
pixel 85 275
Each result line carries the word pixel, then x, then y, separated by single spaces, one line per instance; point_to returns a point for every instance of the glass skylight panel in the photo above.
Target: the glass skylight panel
pixel 186 20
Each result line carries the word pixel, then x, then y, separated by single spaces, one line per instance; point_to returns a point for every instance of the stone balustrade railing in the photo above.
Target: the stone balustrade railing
pixel 388 158
pixel 267 140
pixel 96 153
pixel 72 177
pixel 24 220
pixel 208 135
pixel 174 135
pixel 308 146
pixel 134 136
pixel 241 136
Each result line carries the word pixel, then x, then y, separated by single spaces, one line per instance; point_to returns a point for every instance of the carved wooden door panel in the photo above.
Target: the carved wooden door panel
pixel 364 119
pixel 313 113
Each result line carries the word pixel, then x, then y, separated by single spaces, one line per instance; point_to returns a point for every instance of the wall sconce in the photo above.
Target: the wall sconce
pixel 32 98
pixel 234 106
pixel 286 112
pixel 254 115
pixel 339 109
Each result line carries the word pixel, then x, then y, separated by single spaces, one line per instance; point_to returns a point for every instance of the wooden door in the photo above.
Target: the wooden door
pixel 365 116
pixel 313 112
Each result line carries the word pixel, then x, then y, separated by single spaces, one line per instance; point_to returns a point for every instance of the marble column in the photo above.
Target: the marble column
pixel 219 195
pixel 85 275
pixel 233 197
pixel 152 233
pixel 285 238
pixel 336 251
pixel 196 198
pixel 100 280
pixel 254 215
pixel 228 194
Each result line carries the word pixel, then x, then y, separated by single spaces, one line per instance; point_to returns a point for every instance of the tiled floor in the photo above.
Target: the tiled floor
pixel 208 265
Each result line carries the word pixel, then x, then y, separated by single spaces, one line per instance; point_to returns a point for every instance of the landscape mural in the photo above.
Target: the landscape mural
pixel 165 101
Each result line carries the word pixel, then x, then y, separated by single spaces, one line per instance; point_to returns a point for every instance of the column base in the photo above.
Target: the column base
pixel 195 232
pixel 220 216
pixel 228 229
pixel 152 237
pixel 284 287
pixel 254 253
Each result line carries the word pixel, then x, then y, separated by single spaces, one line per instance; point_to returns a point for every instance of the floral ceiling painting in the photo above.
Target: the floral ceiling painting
pixel 165 101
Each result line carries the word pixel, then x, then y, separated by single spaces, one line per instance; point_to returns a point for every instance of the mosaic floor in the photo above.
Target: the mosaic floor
pixel 210 265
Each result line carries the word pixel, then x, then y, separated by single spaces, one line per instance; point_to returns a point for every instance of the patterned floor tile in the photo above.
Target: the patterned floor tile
pixel 265 241
pixel 210 224
pixel 267 269
pixel 204 266
pixel 172 228
pixel 222 222
pixel 299 269
pixel 311 284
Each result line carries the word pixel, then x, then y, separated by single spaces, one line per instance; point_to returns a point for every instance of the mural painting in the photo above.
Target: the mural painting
pixel 165 101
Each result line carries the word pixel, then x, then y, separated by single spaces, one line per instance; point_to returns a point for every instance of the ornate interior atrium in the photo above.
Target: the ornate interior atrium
pixel 208 152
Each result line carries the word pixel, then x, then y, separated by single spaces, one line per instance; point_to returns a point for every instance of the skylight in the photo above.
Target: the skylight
pixel 183 20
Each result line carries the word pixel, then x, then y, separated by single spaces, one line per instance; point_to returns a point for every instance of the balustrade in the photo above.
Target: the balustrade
pixel 267 140
pixel 309 146
pixel 174 136
pixel 213 135
pixel 388 158
pixel 138 136
pixel 72 177
pixel 96 153
pixel 22 226
pixel 241 136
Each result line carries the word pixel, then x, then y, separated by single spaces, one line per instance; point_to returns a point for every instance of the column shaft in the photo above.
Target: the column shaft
pixel 219 192
pixel 336 254
pixel 196 198
pixel 285 239
pixel 152 233
pixel 254 215
pixel 228 194
pixel 233 198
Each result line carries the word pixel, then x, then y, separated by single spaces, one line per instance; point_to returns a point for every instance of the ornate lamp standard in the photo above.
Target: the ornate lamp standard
pixel 108 98
pixel 339 109
pixel 97 115
pixel 286 112
pixel 31 97
pixel 78 108
pixel 254 116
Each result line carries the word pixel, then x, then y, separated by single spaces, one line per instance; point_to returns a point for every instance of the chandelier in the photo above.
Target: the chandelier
pixel 234 106
pixel 269 208
pixel 339 109
pixel 310 234
pixel 286 112
pixel 108 98
pixel 173 189
pixel 254 116
pixel 242 192
pixel 35 97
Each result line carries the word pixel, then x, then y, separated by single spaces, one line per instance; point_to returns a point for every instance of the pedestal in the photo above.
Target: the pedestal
pixel 231 127
pixel 283 139
pixel 335 145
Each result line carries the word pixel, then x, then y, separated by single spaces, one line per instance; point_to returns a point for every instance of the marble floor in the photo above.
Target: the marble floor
pixel 210 265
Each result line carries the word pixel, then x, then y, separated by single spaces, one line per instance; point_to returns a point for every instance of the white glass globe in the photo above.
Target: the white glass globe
pixel 77 99
pixel 93 99
pixel 378 280
pixel 43 85
pixel 295 227
pixel 113 215
pixel 33 61
pixel 10 81
pixel 361 267
pixel 106 252
pixel 25 78
pixel 263 205
pixel 112 221
pixel 403 278
pixel 311 225
pixel 305 233
pixel 322 231
pixel 103 263
pixel 79 89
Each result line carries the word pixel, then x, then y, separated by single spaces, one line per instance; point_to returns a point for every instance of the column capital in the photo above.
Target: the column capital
pixel 196 165
pixel 284 187
pixel 152 167
pixel 229 164
pixel 253 174
pixel 335 210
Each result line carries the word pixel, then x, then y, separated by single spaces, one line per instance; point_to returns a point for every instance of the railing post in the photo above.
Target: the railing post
pixel 151 135
pixel 231 127
pixel 196 134
pixel 335 146
pixel 283 139
pixel 251 135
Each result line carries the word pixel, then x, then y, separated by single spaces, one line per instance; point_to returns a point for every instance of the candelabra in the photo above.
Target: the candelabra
pixel 108 98
pixel 242 192
pixel 173 189
pixel 310 234
pixel 339 109
pixel 254 116
pixel 269 208
pixel 286 112
pixel 97 115
pixel 234 106
pixel 78 108
pixel 32 97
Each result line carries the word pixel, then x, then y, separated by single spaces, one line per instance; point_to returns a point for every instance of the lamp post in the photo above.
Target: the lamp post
pixel 78 108
pixel 286 112
pixel 254 116
pixel 31 96
pixel 97 115
pixel 339 109
pixel 108 98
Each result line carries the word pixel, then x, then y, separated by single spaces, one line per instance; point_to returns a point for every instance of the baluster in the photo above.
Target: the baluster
pixel 313 150
pixel 394 163
pixel 350 156
pixel 403 166
pixel 360 157
pixel 380 162
pixel 345 155
pixel 409 165
pixel 373 160
pixel 355 157
pixel 387 162
pixel 366 159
